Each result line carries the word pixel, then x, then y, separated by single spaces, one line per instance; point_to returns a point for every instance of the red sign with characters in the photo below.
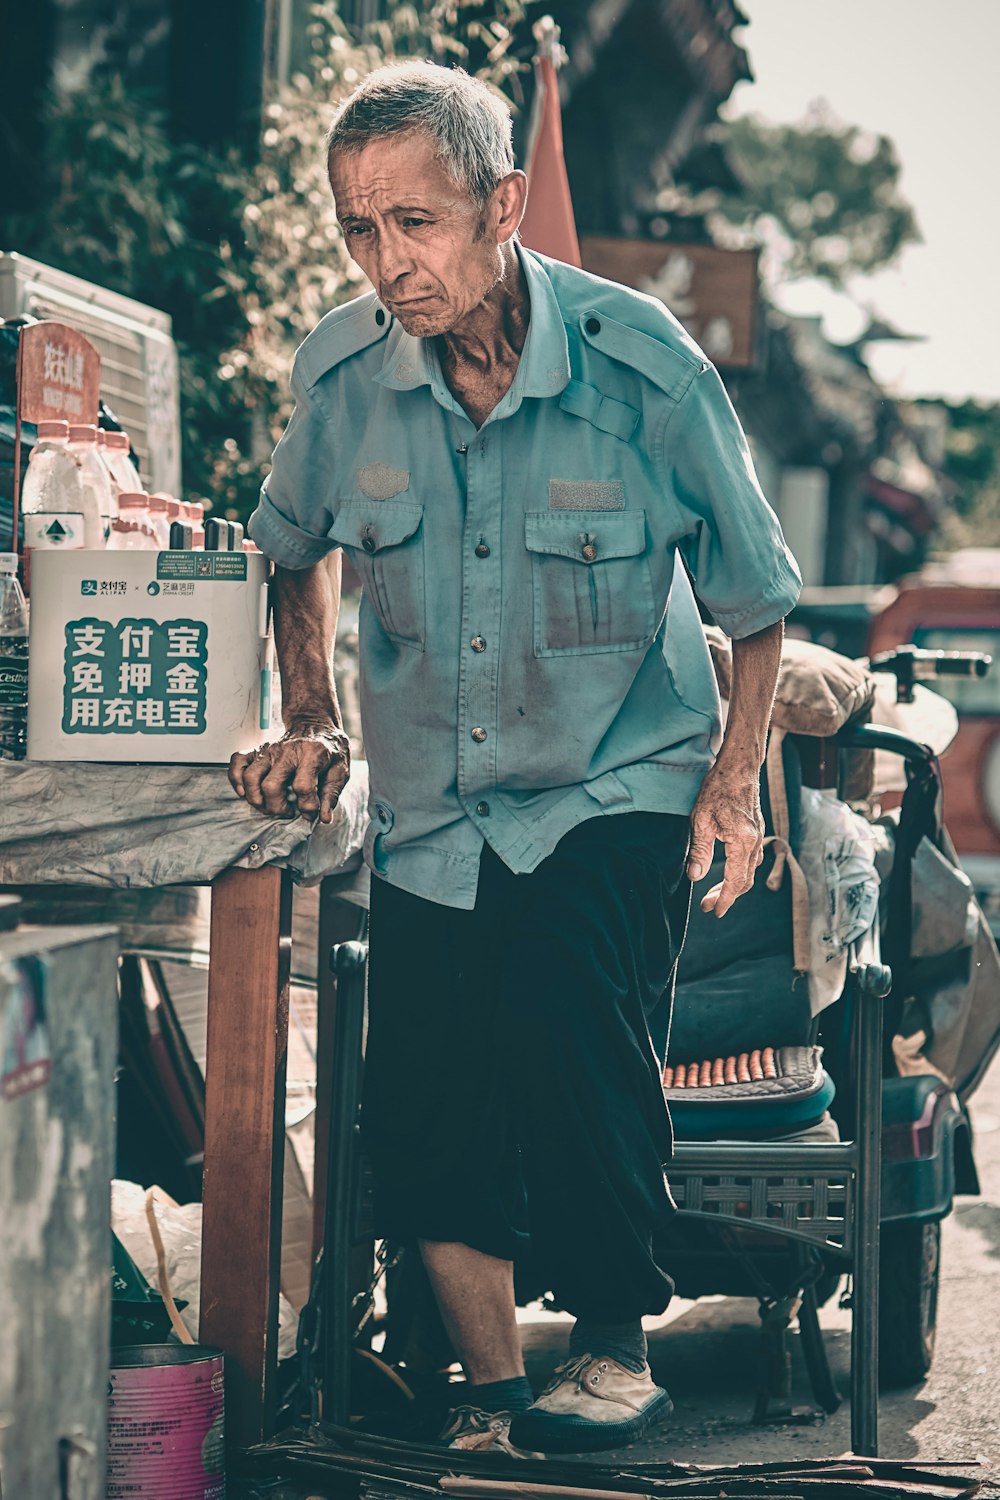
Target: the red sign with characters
pixel 58 379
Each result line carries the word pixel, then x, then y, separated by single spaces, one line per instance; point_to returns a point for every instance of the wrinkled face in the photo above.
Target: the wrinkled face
pixel 427 249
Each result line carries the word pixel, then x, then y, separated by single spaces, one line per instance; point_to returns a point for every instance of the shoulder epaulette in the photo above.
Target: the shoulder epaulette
pixel 660 360
pixel 342 333
pixel 629 326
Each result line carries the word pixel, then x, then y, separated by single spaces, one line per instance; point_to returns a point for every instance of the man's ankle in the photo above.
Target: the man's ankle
pixel 512 1395
pixel 624 1342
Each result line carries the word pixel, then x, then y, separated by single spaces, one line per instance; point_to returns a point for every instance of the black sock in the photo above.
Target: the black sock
pixel 512 1395
pixel 624 1342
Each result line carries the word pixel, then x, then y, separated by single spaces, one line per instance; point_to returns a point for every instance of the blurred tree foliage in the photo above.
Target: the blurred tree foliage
pixel 244 256
pixel 972 463
pixel 821 196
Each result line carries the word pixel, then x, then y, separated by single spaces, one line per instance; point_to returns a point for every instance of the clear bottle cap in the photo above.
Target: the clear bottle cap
pixel 54 429
pixel 82 432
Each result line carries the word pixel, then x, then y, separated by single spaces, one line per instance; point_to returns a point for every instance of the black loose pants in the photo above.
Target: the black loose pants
pixel 509 1045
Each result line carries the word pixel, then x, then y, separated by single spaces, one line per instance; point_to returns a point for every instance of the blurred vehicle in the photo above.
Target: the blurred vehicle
pixel 954 605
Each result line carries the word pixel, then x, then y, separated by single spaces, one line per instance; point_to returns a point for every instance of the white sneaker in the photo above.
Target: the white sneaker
pixel 591 1403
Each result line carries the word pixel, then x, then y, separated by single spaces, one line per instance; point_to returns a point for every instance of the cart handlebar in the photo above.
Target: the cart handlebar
pixel 875 737
pixel 910 664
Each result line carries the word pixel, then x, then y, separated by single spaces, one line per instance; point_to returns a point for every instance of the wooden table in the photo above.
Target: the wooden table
pixel 111 826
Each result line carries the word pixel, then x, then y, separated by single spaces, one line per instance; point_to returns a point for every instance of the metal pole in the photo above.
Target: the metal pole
pixel 348 963
pixel 871 987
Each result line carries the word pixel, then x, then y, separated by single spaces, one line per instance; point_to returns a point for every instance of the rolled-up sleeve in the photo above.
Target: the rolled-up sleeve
pixel 293 518
pixel 728 535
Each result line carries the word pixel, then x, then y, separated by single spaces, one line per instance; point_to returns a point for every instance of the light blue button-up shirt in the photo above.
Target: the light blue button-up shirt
pixel 531 652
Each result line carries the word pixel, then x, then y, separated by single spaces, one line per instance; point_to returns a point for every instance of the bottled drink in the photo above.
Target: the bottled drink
pixel 13 662
pixel 114 450
pixel 52 495
pixel 99 508
pixel 133 530
pixel 158 518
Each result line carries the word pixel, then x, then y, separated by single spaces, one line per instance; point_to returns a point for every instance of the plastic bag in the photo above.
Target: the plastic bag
pixel 837 856
pixel 179 1228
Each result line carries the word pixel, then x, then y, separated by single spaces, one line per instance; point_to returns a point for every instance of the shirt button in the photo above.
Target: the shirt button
pixel 483 809
pixel 367 540
pixel 477 643
pixel 482 550
pixel 589 551
pixel 479 734
pixel 593 325
pixel 380 318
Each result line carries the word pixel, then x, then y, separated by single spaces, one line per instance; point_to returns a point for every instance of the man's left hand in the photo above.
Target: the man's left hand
pixel 727 810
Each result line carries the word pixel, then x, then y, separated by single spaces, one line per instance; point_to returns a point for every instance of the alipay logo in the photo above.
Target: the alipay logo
pixel 88 586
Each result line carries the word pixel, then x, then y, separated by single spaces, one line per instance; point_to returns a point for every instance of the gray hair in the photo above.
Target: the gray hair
pixel 470 126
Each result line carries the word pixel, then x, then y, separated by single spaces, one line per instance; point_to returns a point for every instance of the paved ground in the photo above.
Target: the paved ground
pixel 705 1353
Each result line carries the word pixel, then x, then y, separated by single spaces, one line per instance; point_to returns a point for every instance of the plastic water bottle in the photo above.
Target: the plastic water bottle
pixel 159 519
pixel 52 494
pixel 99 502
pixel 114 448
pixel 13 662
pixel 133 530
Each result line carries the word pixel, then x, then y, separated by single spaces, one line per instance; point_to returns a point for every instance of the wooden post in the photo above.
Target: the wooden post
pixel 245 1139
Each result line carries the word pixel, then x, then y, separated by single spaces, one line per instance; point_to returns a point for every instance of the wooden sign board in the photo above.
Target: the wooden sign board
pixel 58 375
pixel 58 379
pixel 713 292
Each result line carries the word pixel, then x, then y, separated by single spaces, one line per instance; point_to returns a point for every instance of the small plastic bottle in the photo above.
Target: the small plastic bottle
pixel 133 530
pixel 99 509
pixel 114 450
pixel 13 662
pixel 159 519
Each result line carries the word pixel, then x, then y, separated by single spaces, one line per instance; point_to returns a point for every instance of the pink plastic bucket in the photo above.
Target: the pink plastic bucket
pixel 165 1423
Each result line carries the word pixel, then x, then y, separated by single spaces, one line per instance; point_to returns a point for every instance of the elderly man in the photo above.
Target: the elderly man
pixel 530 468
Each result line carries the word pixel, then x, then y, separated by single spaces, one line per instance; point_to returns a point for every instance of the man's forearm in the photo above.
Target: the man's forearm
pixel 306 609
pixel 756 660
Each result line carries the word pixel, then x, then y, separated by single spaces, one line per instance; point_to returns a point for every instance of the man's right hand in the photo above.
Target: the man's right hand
pixel 303 773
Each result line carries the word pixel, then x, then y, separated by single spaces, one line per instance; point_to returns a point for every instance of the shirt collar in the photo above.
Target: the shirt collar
pixel 543 369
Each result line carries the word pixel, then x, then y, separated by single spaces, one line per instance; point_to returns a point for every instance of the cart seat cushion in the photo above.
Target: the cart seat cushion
pixel 736 981
pixel 795 1096
pixel 818 691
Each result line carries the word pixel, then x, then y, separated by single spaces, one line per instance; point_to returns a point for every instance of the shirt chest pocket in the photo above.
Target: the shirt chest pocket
pixel 385 539
pixel 591 582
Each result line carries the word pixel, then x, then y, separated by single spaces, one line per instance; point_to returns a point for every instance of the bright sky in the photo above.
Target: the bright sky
pixel 924 73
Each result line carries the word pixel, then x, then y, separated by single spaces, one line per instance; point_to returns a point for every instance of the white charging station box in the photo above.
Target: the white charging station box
pixel 148 656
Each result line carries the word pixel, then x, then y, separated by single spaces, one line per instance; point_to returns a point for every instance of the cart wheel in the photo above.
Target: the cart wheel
pixel 909 1271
